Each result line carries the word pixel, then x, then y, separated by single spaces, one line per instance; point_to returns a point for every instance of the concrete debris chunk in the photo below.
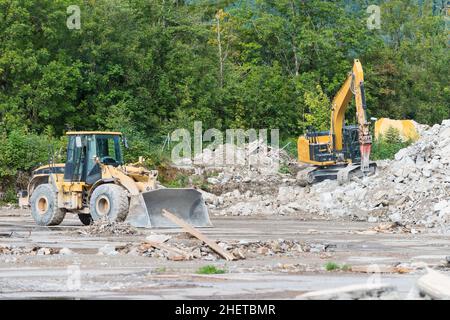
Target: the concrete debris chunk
pixel 435 285
pixel 66 251
pixel 174 253
pixel 351 292
pixel 190 229
pixel 157 238
pixel 107 250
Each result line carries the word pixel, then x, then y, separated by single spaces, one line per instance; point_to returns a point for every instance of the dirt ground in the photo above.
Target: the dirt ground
pixel 85 274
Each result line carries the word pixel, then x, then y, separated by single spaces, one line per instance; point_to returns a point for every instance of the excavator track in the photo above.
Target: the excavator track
pixel 341 173
pixel 306 176
pixel 354 170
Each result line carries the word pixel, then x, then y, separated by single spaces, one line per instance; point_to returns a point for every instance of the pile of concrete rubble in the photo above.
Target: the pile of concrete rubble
pixel 229 167
pixel 256 156
pixel 184 247
pixel 6 249
pixel 104 227
pixel 413 189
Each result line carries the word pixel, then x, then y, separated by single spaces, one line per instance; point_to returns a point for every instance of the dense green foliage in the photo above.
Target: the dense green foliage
pixel 21 151
pixel 146 67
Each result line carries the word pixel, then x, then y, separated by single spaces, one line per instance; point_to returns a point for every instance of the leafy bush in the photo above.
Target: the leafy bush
pixel 22 151
pixel 10 196
pixel 290 146
pixel 385 147
pixel 318 110
pixel 152 151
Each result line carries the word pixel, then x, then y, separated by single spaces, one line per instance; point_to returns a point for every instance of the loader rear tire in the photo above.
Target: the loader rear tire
pixel 111 201
pixel 44 206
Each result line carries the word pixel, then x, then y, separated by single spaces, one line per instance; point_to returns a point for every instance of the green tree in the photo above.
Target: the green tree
pixel 318 111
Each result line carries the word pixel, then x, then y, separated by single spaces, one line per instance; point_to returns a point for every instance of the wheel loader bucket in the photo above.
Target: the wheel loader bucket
pixel 188 204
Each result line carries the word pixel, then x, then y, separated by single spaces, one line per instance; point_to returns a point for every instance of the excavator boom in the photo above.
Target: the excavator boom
pixel 353 85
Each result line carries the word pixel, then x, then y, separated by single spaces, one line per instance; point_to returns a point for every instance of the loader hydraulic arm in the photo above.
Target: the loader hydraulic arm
pixel 353 85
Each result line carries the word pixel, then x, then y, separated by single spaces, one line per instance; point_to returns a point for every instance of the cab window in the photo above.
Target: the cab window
pixel 108 149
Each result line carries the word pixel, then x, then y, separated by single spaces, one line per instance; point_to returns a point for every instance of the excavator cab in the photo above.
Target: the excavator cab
pixel 350 147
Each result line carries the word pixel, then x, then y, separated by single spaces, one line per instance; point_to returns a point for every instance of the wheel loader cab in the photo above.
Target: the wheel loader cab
pixel 85 152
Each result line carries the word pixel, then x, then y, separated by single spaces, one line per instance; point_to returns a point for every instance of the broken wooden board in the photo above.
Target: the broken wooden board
pixel 351 292
pixel 190 229
pixel 434 284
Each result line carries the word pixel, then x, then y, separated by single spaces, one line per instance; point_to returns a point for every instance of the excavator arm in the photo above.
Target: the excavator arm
pixel 353 85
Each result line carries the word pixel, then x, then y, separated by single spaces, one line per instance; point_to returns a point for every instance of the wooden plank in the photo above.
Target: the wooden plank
pixel 434 284
pixel 190 229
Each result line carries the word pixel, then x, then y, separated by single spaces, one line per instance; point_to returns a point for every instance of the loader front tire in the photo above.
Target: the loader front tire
pixel 44 206
pixel 85 219
pixel 111 201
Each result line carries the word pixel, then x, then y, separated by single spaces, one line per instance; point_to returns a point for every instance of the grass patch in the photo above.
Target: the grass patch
pixel 200 182
pixel 160 270
pixel 333 266
pixel 346 267
pixel 179 181
pixel 210 269
pixel 284 169
pixel 212 174
pixel 330 266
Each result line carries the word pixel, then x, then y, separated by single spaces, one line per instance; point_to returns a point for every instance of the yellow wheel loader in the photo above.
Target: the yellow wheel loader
pixel 94 183
pixel 343 152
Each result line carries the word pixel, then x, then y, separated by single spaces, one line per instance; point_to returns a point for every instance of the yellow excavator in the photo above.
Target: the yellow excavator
pixel 94 183
pixel 343 152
